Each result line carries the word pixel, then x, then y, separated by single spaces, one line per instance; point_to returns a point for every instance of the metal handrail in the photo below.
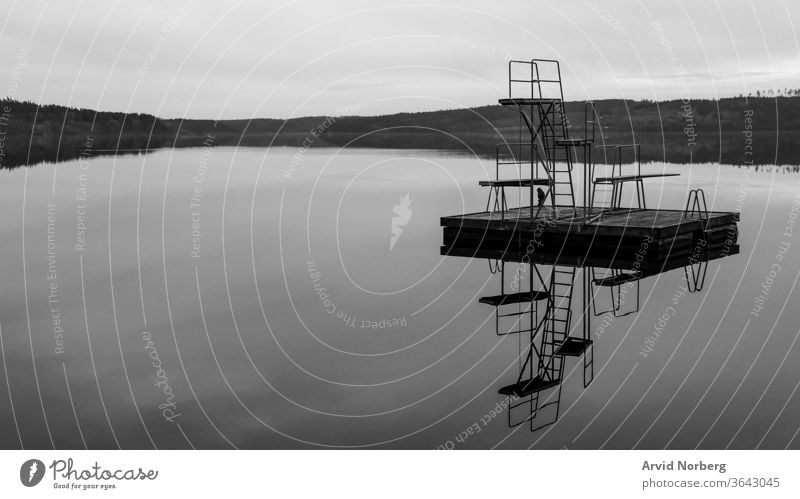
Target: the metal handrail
pixel 587 106
pixel 618 148
pixel 534 162
pixel 698 204
pixel 616 172
pixel 535 80
pixel 535 158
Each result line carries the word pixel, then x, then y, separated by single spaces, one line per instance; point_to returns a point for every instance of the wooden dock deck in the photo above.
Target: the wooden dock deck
pixel 611 238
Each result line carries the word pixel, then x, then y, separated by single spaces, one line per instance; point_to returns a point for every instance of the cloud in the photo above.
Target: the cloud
pixel 203 59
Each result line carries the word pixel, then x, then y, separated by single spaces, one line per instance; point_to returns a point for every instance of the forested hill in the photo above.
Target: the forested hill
pixel 698 131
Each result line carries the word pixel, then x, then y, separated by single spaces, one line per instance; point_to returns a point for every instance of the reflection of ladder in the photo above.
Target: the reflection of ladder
pixel 539 388
pixel 559 313
pixel 535 91
pixel 586 323
pixel 695 271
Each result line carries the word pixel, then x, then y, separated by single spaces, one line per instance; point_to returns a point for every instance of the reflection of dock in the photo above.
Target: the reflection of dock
pixel 612 238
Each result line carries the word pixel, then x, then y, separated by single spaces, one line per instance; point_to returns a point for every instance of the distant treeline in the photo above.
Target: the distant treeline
pixel 739 130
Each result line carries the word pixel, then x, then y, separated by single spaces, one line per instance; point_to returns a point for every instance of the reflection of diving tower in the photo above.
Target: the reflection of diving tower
pixel 537 391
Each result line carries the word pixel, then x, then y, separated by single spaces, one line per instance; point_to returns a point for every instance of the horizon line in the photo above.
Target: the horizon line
pixel 216 120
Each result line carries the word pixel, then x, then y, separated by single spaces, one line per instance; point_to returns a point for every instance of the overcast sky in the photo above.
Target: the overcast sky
pixel 215 59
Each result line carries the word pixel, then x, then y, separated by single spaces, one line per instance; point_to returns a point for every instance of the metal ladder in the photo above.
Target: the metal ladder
pixel 552 134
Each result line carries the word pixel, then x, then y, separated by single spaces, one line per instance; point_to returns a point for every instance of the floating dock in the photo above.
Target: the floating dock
pixel 650 240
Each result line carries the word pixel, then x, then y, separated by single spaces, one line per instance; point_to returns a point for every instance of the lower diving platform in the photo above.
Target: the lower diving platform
pixel 528 387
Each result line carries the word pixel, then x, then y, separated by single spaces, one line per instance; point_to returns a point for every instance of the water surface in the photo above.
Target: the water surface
pixel 251 298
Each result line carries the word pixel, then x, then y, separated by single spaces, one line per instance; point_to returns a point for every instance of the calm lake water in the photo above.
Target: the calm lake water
pixel 253 298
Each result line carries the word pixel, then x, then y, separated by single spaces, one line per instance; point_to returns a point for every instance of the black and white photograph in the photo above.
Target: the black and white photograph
pixel 368 231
